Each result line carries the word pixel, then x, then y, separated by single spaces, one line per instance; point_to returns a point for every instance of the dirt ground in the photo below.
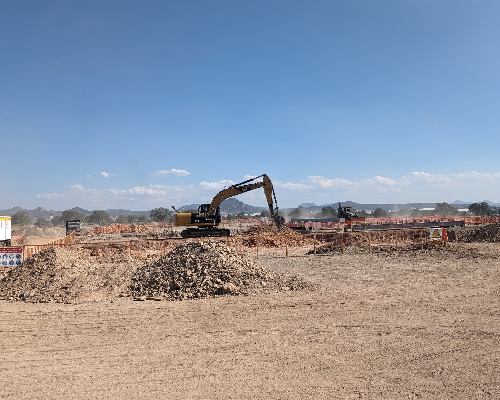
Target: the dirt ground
pixel 412 325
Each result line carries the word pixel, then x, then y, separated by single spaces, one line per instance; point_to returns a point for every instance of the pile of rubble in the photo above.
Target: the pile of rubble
pixel 201 270
pixel 65 276
pixel 189 271
pixel 410 250
pixel 271 236
pixel 471 234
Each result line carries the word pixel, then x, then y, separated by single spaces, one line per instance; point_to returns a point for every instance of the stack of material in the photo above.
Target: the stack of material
pixel 381 237
pixel 139 228
pixel 64 276
pixel 200 270
pixel 470 234
pixel 270 236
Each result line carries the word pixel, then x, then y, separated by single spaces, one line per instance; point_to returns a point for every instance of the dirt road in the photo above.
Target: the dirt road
pixel 378 327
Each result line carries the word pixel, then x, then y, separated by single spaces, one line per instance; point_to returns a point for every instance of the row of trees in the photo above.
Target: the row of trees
pixel 165 215
pixel 442 209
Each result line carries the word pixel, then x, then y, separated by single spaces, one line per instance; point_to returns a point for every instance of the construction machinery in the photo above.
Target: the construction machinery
pixel 73 225
pixel 204 223
pixel 345 212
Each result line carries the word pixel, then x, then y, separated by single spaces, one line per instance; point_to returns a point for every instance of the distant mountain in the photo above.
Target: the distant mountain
pixel 38 212
pixel 305 205
pixel 115 212
pixel 233 205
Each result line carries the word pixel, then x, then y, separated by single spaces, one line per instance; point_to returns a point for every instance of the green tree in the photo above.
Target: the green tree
pixel 380 213
pixel 161 214
pixel 326 212
pixel 131 219
pixel 122 219
pixel 56 220
pixel 363 214
pixel 42 222
pixel 100 218
pixel 482 209
pixel 21 218
pixel 241 215
pixel 142 219
pixel 299 212
pixel 445 209
pixel 70 215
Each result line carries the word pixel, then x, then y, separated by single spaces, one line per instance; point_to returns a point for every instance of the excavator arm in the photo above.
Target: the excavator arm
pixel 208 216
pixel 244 187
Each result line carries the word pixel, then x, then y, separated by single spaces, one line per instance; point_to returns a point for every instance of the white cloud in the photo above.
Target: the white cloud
pixel 327 182
pixel 173 171
pixel 412 187
pixel 292 186
pixel 107 175
pixel 219 185
pixel 89 176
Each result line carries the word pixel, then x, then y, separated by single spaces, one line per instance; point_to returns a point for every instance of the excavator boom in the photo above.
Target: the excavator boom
pixel 244 187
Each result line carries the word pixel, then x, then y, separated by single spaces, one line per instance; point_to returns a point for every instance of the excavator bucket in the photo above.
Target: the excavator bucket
pixel 279 221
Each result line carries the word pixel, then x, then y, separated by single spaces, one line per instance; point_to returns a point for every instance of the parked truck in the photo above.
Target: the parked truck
pixel 5 231
pixel 73 226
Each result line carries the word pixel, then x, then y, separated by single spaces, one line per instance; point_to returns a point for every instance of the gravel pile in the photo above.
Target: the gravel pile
pixel 270 236
pixel 471 234
pixel 456 251
pixel 201 270
pixel 64 276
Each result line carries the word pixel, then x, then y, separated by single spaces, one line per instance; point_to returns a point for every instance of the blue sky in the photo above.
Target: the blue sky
pixel 128 104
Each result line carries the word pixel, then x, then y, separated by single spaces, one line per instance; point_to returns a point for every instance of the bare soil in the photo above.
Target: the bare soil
pixel 406 325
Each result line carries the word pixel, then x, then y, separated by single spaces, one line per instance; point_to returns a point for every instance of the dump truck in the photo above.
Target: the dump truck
pixel 5 231
pixel 205 222
pixel 73 225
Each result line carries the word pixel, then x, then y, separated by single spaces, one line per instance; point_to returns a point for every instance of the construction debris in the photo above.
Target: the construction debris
pixel 472 234
pixel 410 251
pixel 190 271
pixel 271 236
pixel 64 276
pixel 200 270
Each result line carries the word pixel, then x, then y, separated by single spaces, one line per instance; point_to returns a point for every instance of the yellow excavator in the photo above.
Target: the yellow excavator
pixel 204 222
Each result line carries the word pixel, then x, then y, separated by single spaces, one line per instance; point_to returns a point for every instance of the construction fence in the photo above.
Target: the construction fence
pixel 29 250
pixel 253 246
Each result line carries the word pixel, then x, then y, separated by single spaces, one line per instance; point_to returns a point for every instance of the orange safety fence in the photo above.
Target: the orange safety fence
pixel 19 237
pixel 278 245
pixel 29 250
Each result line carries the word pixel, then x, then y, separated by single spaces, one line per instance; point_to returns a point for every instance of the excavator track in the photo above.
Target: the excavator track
pixel 197 233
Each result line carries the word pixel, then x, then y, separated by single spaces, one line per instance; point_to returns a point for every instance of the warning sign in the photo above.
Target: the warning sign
pixel 436 234
pixel 11 256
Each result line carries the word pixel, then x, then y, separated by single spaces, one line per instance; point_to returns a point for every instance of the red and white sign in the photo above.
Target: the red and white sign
pixel 11 256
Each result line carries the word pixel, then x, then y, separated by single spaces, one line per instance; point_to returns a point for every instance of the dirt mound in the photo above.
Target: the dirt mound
pixel 200 270
pixel 64 276
pixel 270 236
pixel 471 234
pixel 410 250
